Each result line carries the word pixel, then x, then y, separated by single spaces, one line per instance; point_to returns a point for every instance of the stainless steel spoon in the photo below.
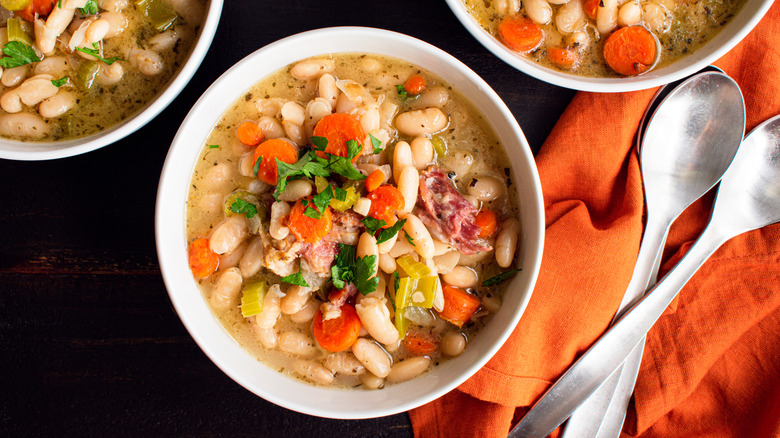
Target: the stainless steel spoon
pixel 748 198
pixel 603 413
pixel 685 161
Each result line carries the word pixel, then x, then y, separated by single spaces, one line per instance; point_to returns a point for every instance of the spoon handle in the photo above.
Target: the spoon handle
pixel 603 357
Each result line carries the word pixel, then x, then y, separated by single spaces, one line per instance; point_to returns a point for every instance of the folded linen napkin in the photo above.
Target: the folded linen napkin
pixel 711 365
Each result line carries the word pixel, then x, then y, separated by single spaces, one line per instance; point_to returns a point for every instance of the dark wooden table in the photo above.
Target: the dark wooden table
pixel 89 343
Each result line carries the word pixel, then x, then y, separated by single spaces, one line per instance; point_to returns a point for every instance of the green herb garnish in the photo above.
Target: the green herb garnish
pixel 309 166
pixel 320 143
pixel 90 8
pixel 375 142
pixel 409 239
pixel 347 268
pixel 296 279
pixel 500 277
pixel 387 233
pixel 216 146
pixel 401 92
pixel 18 54
pixel 256 168
pixel 59 82
pixel 241 206
pixel 372 225
pixel 365 267
pixel 96 54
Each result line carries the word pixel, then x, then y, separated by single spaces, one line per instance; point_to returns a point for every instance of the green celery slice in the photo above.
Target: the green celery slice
pixel 158 12
pixel 86 74
pixel 402 297
pixel 252 299
pixel 424 291
pixel 16 33
pixel 439 145
pixel 320 183
pixel 342 206
pixel 412 268
pixel 15 5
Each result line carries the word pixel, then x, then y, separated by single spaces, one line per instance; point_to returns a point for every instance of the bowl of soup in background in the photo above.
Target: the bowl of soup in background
pixel 195 312
pixel 30 150
pixel 732 33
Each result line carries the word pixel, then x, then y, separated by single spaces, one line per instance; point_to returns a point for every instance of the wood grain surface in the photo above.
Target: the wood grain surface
pixel 89 343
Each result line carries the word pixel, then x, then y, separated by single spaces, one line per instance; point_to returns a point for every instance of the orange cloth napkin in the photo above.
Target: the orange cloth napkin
pixel 711 365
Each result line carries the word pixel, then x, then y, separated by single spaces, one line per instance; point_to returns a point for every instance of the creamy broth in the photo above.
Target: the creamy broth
pixel 681 27
pixel 473 160
pixel 71 93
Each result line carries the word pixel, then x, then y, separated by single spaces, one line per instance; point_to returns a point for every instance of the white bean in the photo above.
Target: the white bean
pixel 279 210
pixel 422 152
pixel 606 16
pixel 367 247
pixel 229 234
pixel 453 344
pixel 486 188
pixel 246 164
pixel 111 74
pixel 421 122
pixel 307 313
pixel 344 104
pixel 117 23
pixel 387 245
pixel 99 29
pixel 296 298
pixel 437 96
pixel 57 105
pixel 460 162
pixel 271 127
pixel 297 344
pixel 387 110
pixel 408 369
pixel 216 177
pixel 446 262
pixel 401 247
pixel 148 62
pixel 408 184
pixel 34 90
pixel 538 10
pixel 313 371
pixel 312 68
pixel 345 363
pixel 191 11
pixel 370 120
pixel 266 319
pixel 370 65
pixel 326 89
pixel 371 381
pixel 23 125
pixel 491 303
pixel 258 187
pixel 252 260
pixel 571 17
pixel 316 109
pixel 656 16
pixel 375 317
pixel 227 288
pixel 14 76
pixel 46 33
pixel 402 158
pixel 296 190
pixel 56 66
pixel 387 264
pixel 629 14
pixel 293 112
pixel 10 102
pixel 460 276
pixel 113 5
pixel 420 236
pixel 267 337
pixel 506 242
pixel 372 356
pixel 230 259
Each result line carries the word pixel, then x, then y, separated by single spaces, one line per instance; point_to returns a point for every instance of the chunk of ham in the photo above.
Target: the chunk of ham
pixel 346 228
pixel 447 213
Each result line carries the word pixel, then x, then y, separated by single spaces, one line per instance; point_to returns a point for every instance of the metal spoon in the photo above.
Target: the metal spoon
pixel 603 413
pixel 684 131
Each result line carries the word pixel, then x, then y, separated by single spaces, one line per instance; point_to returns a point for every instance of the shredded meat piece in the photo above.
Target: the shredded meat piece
pixel 279 255
pixel 332 308
pixel 320 255
pixel 444 210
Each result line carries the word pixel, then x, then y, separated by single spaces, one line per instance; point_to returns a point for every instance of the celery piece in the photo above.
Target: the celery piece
pixel 15 5
pixel 423 291
pixel 419 316
pixel 252 299
pixel 245 196
pixel 85 74
pixel 16 33
pixel 402 298
pixel 412 268
pixel 158 12
pixel 320 183
pixel 342 206
pixel 439 145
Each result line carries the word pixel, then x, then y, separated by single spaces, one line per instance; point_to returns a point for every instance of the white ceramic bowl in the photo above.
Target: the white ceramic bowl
pixel 189 302
pixel 31 151
pixel 742 23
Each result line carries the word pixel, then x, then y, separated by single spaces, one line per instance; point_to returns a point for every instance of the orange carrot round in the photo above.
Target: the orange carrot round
pixel 374 180
pixel 420 343
pixel 249 134
pixel 309 229
pixel 459 305
pixel 415 84
pixel 564 58
pixel 385 201
pixel 487 222
pixel 203 261
pixel 337 334
pixel 630 50
pixel 339 128
pixel 40 7
pixel 520 34
pixel 591 8
pixel 270 150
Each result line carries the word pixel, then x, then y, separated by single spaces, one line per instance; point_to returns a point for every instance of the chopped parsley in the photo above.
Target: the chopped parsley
pixel 409 239
pixel 320 143
pixel 322 200
pixel 96 54
pixel 500 277
pixel 241 206
pixel 348 268
pixel 216 146
pixel 309 166
pixel 257 166
pixel 365 268
pixel 387 233
pixel 401 92
pixel 90 8
pixel 59 82
pixel 18 54
pixel 296 279
pixel 372 225
pixel 375 142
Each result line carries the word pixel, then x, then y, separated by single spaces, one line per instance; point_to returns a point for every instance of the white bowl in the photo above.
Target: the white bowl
pixel 32 151
pixel 193 310
pixel 741 24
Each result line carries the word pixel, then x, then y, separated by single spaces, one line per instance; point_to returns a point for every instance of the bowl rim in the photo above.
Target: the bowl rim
pixel 654 78
pixel 170 215
pixel 81 145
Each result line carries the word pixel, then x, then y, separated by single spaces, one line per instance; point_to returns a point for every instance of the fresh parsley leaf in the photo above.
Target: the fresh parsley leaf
pixel 409 239
pixel 387 233
pixel 91 8
pixel 500 277
pixel 18 54
pixel 96 54
pixel 308 166
pixel 396 284
pixel 401 92
pixel 216 146
pixel 296 279
pixel 372 224
pixel 320 143
pixel 344 167
pixel 364 269
pixel 340 194
pixel 375 142
pixel 59 82
pixel 343 269
pixel 353 149
pixel 257 166
pixel 241 206
pixel 59 4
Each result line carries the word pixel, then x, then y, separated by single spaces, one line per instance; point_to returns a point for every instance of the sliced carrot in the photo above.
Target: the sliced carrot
pixel 420 343
pixel 375 180
pixel 592 8
pixel 203 261
pixel 337 334
pixel 339 128
pixel 385 201
pixel 40 7
pixel 249 133
pixel 309 229
pixel 564 58
pixel 459 305
pixel 520 34
pixel 630 50
pixel 270 150
pixel 487 222
pixel 415 84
